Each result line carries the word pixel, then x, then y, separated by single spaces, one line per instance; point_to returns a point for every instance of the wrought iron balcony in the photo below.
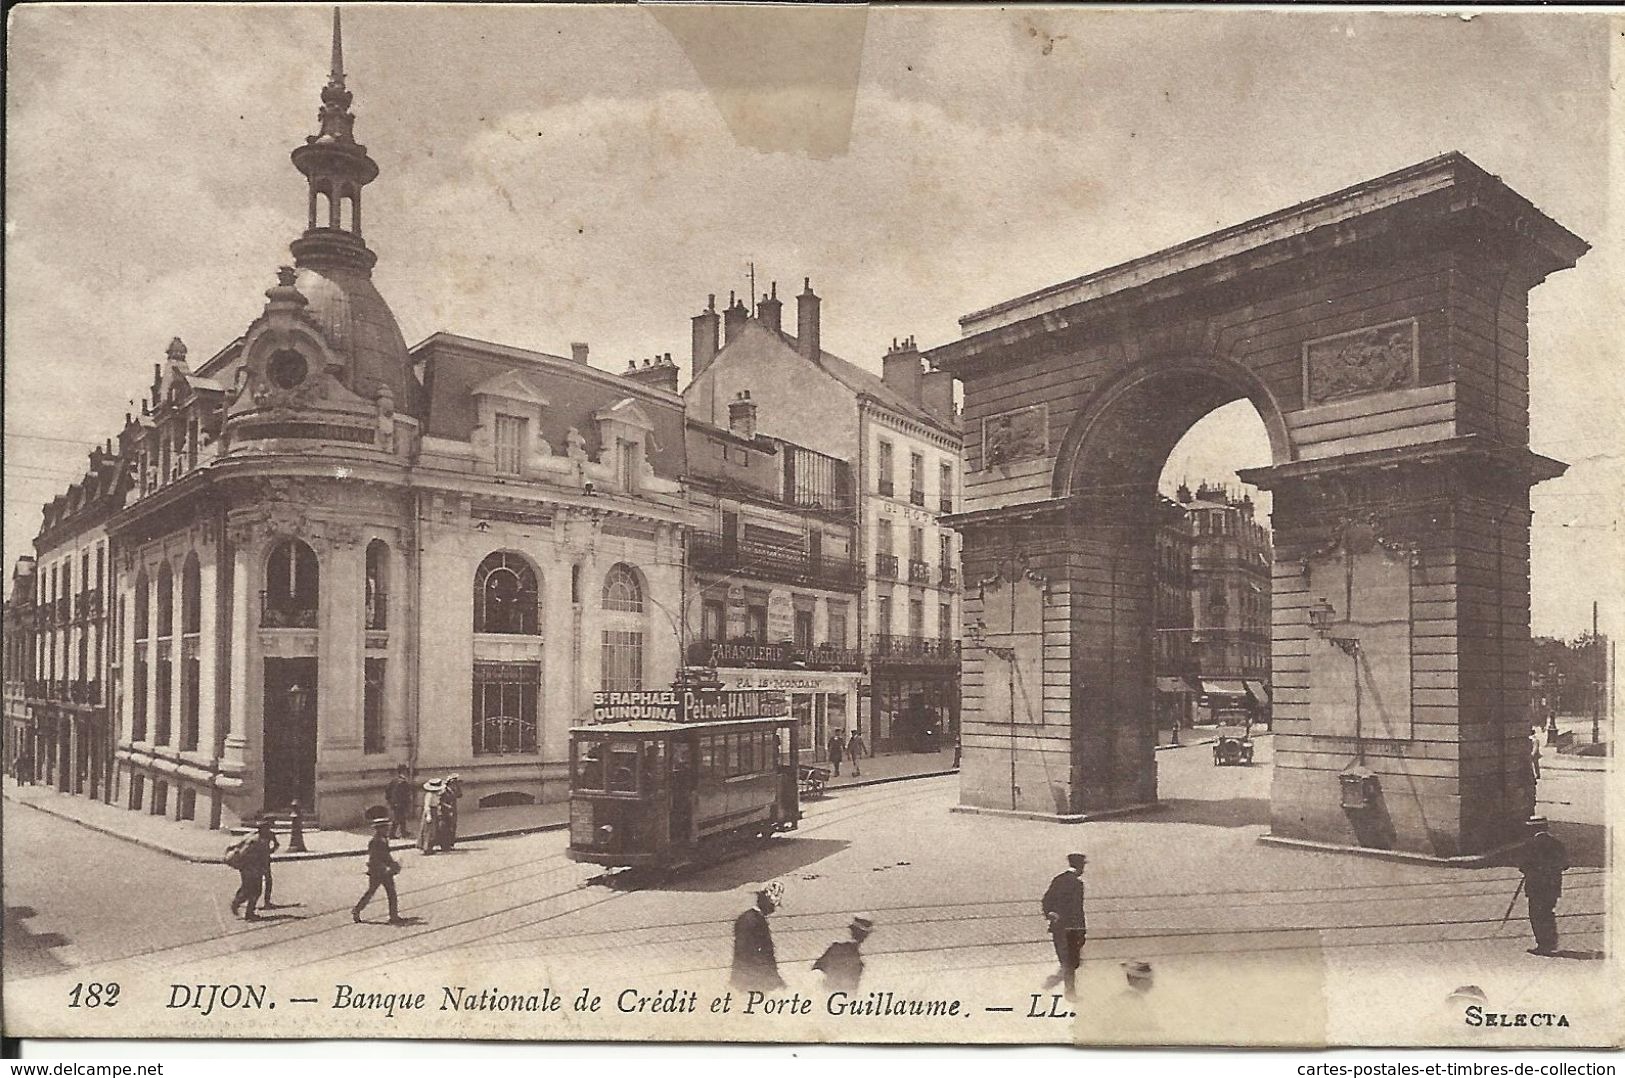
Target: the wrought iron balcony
pixel 948 576
pixel 282 612
pixel 917 496
pixel 711 550
pixel 945 504
pixel 919 572
pixel 886 488
pixel 886 566
pixel 918 650
pixel 751 654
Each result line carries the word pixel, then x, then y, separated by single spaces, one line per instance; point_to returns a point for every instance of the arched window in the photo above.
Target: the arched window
pixel 141 602
pixel 191 598
pixel 377 584
pixel 506 599
pixel 622 590
pixel 166 600
pixel 291 587
pixel 621 654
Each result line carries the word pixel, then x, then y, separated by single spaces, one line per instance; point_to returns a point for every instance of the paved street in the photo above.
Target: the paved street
pixel 954 897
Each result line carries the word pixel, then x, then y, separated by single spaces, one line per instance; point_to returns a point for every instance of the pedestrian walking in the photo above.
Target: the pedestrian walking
pixel 1534 752
pixel 381 869
pixel 755 965
pixel 855 749
pixel 1543 861
pixel 835 751
pixel 842 963
pixel 267 835
pixel 448 811
pixel 398 796
pixel 1063 909
pixel 429 823
pixel 250 856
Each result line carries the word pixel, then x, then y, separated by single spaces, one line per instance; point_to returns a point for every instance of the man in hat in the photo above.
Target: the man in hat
pixel 755 965
pixel 398 796
pixel 1063 909
pixel 835 748
pixel 252 859
pixel 381 869
pixel 841 964
pixel 855 748
pixel 267 835
pixel 1543 861
pixel 448 811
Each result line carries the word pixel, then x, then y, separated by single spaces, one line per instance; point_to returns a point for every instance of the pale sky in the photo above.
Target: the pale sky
pixel 560 174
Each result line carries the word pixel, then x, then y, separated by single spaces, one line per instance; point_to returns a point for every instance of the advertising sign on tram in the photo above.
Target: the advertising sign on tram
pixel 690 705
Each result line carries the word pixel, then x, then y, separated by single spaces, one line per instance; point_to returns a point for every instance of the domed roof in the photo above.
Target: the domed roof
pixel 359 324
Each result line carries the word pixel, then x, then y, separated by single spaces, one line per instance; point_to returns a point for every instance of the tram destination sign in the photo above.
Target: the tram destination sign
pixel 689 705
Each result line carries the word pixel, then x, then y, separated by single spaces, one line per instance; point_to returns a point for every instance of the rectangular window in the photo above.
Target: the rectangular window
pixel 916 478
pixel 945 621
pixel 837 626
pixel 505 707
pixel 916 544
pixel 945 487
pixel 804 628
pixel 883 540
pixel 756 623
pixel 372 707
pixel 189 705
pixel 883 468
pixel 621 666
pixel 945 550
pixel 161 734
pixel 713 620
pixel 510 445
pixel 916 618
pixel 883 615
pixel 138 701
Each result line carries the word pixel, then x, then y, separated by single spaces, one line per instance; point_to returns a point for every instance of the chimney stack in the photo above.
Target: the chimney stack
pixel 937 394
pixel 660 372
pixel 807 336
pixel 733 319
pixel 770 311
pixel 578 351
pixel 742 416
pixel 902 370
pixel 705 335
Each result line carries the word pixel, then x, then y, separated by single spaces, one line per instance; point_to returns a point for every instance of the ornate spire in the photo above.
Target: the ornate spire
pixel 338 168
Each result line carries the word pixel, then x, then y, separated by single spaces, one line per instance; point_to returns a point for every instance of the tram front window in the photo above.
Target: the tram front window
pixel 623 769
pixel 590 765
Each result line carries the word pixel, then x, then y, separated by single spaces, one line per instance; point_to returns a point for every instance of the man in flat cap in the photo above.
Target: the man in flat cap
pixel 841 963
pixel 1063 909
pixel 755 964
pixel 1543 861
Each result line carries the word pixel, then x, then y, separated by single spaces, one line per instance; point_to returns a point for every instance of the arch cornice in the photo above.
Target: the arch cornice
pixel 1216 368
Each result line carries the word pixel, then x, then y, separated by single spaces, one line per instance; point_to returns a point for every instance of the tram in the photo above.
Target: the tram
pixel 688 773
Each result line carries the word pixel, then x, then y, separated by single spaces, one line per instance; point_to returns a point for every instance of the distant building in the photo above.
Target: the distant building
pixel 1173 657
pixel 899 434
pixel 21 673
pixel 1230 581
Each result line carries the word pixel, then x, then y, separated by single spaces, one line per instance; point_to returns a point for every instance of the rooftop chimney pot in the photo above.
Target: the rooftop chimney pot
pixel 578 351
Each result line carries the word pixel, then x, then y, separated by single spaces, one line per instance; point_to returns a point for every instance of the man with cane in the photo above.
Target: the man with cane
pixel 1542 863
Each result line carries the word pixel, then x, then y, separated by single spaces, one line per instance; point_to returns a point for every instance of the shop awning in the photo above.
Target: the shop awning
pixel 1174 684
pixel 1256 690
pixel 1224 687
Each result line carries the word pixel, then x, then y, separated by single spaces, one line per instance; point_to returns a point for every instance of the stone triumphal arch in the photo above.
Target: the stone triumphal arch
pixel 1381 334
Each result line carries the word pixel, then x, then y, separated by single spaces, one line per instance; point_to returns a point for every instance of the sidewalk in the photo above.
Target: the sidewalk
pixel 189 842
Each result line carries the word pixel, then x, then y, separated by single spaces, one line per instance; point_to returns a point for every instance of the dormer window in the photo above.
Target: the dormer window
pixel 629 464
pixel 510 444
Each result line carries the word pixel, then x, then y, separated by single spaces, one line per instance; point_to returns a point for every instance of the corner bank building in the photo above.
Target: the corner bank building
pixel 337 554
